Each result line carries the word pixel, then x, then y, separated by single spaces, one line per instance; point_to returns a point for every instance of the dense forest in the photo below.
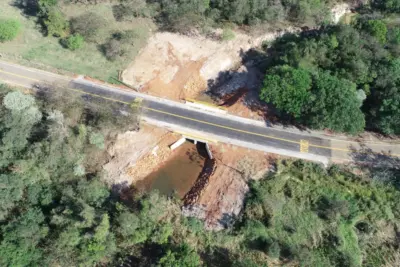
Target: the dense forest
pixel 57 211
pixel 343 77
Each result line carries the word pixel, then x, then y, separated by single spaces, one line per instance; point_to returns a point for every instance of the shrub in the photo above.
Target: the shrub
pixel 74 42
pixel 97 139
pixel 56 23
pixel 9 29
pixel 120 44
pixel 227 34
pixel 89 25
pixel 274 250
pixel 378 29
pixel 113 49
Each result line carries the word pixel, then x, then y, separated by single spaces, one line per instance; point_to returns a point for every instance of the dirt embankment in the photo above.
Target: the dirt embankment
pixel 177 66
pixel 219 198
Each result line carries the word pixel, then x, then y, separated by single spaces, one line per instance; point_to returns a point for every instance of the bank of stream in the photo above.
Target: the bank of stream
pixel 179 173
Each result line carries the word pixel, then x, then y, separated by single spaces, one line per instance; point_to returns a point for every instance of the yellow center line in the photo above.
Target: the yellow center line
pixel 196 120
pixel 331 148
pixel 219 126
pixel 21 76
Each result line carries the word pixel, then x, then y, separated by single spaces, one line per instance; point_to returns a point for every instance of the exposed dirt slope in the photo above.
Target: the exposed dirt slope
pixel 222 199
pixel 177 66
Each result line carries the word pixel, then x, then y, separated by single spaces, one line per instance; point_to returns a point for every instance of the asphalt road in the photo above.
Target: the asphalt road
pixel 200 123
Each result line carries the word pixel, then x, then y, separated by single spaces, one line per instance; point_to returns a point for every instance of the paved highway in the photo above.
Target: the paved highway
pixel 200 123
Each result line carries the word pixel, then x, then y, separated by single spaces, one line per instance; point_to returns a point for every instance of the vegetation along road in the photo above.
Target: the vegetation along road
pixel 212 126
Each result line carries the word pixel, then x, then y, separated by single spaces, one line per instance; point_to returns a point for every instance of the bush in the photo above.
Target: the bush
pixel 113 49
pixel 274 250
pixel 89 25
pixel 9 29
pixel 74 42
pixel 120 44
pixel 56 24
pixel 97 139
pixel 228 35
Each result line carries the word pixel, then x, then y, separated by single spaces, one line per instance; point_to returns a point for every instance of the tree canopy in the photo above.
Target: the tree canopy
pixel 9 29
pixel 288 88
pixel 349 66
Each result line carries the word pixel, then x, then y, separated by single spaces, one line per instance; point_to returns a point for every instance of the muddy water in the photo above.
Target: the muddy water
pixel 178 174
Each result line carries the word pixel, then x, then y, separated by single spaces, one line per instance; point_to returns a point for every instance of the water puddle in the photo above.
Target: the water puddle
pixel 178 174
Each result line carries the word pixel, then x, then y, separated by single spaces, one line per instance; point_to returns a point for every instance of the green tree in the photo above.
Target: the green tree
pixel 387 115
pixel 388 5
pixel 394 35
pixel 378 29
pixel 74 42
pixel 89 25
pixel 334 105
pixel 45 6
pixel 17 101
pixel 384 103
pixel 162 233
pixel 9 29
pixel 56 24
pixel 10 193
pixel 93 192
pixel 287 88
pixel 182 256
pixel 20 239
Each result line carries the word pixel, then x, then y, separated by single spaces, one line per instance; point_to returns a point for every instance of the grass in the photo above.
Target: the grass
pixel 349 243
pixel 320 217
pixel 32 48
